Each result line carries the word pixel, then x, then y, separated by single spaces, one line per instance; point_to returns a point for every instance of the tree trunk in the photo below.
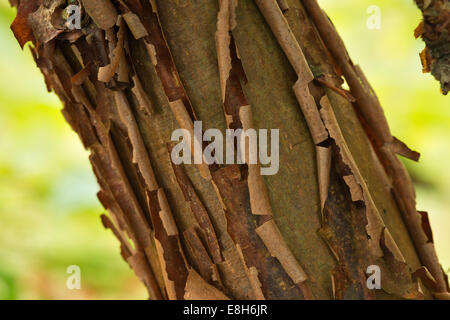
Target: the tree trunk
pixel 341 201
pixel 435 31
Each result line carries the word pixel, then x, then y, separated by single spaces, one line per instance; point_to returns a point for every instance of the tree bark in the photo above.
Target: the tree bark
pixel 435 32
pixel 341 201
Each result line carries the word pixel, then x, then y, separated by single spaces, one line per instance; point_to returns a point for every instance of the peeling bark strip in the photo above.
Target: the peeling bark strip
pixel 435 31
pixel 140 156
pixel 40 22
pixel 358 190
pixel 20 27
pixel 127 80
pixel 207 268
pixel 287 40
pixel 198 289
pixel 185 122
pixel 274 242
pixel 259 198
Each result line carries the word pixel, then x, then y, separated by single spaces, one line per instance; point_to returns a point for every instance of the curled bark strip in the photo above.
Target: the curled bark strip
pixel 442 295
pixel 198 289
pixel 125 247
pixel 323 155
pixel 356 183
pixel 140 155
pixel 164 64
pixel 254 280
pixel 344 93
pixel 284 6
pixel 229 64
pixel 199 211
pixel 252 274
pixel 152 256
pixel 143 100
pixel 172 260
pixel 135 25
pixel 166 215
pixel 272 238
pixel 259 197
pixel 402 149
pixel 311 112
pixel 370 110
pixel 233 191
pixel 152 53
pixel 185 122
pixel 72 37
pixel 420 29
pixel 102 12
pixel 40 22
pixel 223 40
pixel 123 73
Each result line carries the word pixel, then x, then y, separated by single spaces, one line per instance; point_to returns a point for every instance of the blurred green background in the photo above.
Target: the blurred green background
pixel 49 214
